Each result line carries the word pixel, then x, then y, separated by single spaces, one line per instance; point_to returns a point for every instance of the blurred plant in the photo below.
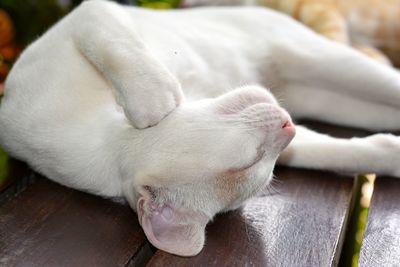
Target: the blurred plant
pixel 9 50
pixel 362 194
pixel 367 189
pixel 158 4
pixel 33 17
pixel 3 167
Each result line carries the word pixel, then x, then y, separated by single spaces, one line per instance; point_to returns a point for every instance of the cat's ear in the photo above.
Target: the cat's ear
pixel 177 231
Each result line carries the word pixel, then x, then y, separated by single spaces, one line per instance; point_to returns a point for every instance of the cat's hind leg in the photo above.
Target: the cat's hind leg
pixel 379 153
pixel 374 54
pixel 305 102
pixel 332 82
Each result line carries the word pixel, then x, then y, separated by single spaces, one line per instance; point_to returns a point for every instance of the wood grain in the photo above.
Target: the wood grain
pixel 51 225
pixel 381 243
pixel 301 224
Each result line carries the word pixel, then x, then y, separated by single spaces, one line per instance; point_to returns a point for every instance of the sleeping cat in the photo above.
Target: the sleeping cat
pixel 368 25
pixel 121 101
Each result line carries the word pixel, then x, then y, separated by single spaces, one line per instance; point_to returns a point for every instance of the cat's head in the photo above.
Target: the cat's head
pixel 204 158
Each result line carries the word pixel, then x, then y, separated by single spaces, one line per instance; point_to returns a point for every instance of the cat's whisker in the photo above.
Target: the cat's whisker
pixel 272 188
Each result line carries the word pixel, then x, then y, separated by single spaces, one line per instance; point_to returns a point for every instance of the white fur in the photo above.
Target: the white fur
pixel 210 146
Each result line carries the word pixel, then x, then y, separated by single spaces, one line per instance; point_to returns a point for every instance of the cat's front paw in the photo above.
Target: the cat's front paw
pixel 387 141
pixel 148 108
pixel 387 151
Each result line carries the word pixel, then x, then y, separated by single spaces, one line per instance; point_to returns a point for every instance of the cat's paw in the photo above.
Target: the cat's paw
pixel 387 141
pixel 148 107
pixel 387 151
pixel 151 111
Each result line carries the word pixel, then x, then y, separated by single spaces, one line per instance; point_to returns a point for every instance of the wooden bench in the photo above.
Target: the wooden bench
pixel 301 222
pixel 381 243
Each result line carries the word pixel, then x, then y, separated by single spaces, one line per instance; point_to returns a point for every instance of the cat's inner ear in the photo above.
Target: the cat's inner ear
pixel 178 231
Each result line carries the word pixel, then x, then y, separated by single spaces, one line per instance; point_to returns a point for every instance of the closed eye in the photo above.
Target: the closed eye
pixel 253 162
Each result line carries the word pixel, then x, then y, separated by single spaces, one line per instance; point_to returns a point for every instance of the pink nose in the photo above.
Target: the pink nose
pixel 287 124
pixel 288 131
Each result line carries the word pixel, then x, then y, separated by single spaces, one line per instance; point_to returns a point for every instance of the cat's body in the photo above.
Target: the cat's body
pixel 219 146
pixel 192 58
pixel 367 25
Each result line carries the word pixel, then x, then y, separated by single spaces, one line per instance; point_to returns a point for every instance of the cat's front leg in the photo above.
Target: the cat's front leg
pixel 379 153
pixel 106 36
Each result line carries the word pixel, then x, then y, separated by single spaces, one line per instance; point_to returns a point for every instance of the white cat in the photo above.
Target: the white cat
pixel 210 146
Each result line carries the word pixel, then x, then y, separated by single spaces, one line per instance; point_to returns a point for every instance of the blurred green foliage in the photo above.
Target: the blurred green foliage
pixel 356 226
pixel 32 17
pixel 3 166
pixel 158 4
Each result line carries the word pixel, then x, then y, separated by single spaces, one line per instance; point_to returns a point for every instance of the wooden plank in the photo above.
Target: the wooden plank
pixel 300 225
pixel 51 225
pixel 381 243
